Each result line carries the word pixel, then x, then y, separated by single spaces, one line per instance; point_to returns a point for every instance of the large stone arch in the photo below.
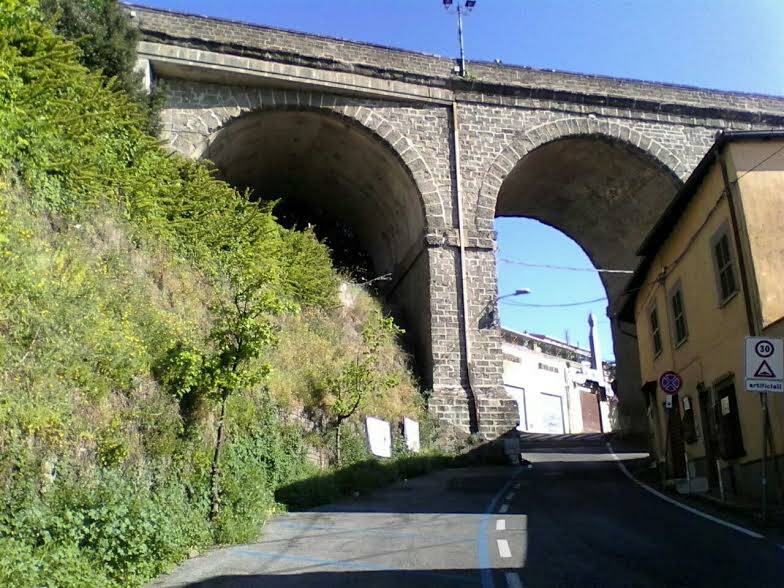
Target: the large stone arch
pixel 341 162
pixel 603 184
pixel 590 126
pixel 217 107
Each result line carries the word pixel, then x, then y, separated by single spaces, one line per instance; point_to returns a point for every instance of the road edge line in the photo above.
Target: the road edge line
pixel 482 549
pixel 685 507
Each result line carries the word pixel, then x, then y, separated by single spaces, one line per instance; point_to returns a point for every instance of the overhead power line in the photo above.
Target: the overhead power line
pixel 562 305
pixel 565 267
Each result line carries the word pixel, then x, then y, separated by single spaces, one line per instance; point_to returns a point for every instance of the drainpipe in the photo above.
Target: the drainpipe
pixel 473 411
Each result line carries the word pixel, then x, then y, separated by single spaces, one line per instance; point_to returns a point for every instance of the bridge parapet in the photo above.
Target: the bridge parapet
pixel 487 82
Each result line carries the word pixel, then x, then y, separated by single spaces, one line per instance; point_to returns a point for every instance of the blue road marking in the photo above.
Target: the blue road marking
pixel 381 532
pixel 352 565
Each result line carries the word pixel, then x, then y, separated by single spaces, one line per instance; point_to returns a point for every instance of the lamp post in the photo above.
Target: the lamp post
pixel 492 318
pixel 519 292
pixel 460 7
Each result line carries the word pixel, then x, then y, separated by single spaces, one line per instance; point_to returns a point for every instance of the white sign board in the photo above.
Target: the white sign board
pixel 411 432
pixel 764 364
pixel 668 401
pixel 379 437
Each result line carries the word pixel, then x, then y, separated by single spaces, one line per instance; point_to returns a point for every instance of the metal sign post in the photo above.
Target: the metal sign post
pixel 670 383
pixel 764 373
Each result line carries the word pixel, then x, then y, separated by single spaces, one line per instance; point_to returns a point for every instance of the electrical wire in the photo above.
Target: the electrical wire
pixel 565 267
pixel 666 271
pixel 565 304
pixel 776 152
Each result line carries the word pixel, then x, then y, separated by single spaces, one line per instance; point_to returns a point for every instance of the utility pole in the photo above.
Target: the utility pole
pixel 460 7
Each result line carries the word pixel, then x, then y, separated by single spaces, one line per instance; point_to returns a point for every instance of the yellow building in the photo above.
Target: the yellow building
pixel 712 273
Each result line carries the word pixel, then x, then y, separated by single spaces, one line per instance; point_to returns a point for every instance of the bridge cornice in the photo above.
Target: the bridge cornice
pixel 488 82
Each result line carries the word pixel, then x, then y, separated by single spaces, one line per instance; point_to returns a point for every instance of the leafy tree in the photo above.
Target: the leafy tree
pixel 102 31
pixel 342 393
pixel 242 331
pixel 107 40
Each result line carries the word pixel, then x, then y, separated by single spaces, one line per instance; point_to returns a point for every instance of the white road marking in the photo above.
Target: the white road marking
pixel 510 496
pixel 503 548
pixel 517 486
pixel 504 507
pixel 500 525
pixel 699 513
pixel 513 580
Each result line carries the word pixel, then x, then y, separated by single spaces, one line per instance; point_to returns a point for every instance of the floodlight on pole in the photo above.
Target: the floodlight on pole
pixel 460 7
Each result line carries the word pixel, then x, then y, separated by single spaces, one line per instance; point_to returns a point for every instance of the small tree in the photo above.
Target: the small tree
pixel 245 273
pixel 243 326
pixel 343 393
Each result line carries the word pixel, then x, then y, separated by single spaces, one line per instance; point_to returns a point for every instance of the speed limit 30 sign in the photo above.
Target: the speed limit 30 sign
pixel 764 364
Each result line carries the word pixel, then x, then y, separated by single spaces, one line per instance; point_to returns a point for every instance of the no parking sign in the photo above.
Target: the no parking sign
pixel 670 382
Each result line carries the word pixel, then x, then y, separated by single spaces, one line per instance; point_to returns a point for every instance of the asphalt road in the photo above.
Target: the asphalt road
pixel 573 519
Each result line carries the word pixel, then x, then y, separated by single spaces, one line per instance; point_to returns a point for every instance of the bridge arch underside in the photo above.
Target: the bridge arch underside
pixel 329 172
pixel 605 195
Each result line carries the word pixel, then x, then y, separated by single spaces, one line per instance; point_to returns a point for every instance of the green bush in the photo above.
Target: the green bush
pixel 61 566
pixel 262 455
pixel 127 527
pixel 359 478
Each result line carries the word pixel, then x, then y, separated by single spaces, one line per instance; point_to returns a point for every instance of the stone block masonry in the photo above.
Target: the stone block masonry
pixel 596 157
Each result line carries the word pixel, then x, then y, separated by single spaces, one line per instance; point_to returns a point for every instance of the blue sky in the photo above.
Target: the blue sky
pixel 722 44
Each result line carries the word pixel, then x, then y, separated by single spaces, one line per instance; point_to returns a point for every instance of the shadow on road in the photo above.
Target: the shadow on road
pixel 381 578
pixel 571 519
pixel 360 479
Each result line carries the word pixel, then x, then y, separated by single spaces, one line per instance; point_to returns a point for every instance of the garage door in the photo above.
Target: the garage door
pixel 552 413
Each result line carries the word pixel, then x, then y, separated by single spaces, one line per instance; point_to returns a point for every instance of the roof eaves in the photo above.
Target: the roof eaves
pixel 667 221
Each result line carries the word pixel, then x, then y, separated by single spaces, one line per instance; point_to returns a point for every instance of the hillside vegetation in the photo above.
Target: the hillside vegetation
pixel 170 356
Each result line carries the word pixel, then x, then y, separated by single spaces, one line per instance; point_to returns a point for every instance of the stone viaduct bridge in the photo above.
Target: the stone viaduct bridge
pixel 419 161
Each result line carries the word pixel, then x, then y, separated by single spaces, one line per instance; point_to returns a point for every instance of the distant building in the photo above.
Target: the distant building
pixel 555 384
pixel 711 274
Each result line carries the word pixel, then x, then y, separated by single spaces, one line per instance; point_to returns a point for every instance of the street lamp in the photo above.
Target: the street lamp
pixel 460 7
pixel 491 318
pixel 519 292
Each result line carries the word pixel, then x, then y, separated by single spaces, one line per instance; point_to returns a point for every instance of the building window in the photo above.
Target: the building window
pixel 725 273
pixel 655 332
pixel 548 368
pixel 510 357
pixel 680 328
